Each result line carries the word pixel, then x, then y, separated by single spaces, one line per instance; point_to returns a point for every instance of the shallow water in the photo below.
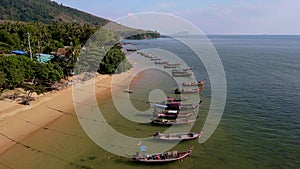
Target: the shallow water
pixel 260 127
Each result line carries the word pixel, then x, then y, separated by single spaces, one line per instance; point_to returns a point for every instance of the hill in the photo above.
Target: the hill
pixel 45 11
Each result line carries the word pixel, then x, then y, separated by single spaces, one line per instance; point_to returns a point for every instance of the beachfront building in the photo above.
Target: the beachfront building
pixel 43 58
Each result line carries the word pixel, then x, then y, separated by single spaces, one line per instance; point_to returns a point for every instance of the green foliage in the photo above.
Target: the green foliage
pixel 45 11
pixel 94 50
pixel 43 38
pixel 18 71
pixel 2 80
pixel 114 61
pixel 144 35
pixel 66 63
pixel 14 70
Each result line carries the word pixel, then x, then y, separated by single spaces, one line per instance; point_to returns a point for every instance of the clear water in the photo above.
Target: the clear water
pixel 260 127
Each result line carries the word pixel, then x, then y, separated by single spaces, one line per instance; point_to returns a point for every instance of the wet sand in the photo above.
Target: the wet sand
pixel 50 119
pixel 49 135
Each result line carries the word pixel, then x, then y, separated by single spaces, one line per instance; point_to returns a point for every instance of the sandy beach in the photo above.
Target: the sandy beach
pixel 19 122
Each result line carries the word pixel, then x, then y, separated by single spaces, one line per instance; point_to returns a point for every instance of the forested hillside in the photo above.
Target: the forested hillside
pixel 43 26
pixel 45 11
pixel 44 38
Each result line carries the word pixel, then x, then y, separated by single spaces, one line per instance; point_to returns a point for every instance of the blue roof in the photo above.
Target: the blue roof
pixel 19 52
pixel 44 57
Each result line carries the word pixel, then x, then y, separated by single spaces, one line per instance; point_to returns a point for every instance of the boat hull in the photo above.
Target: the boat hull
pixel 166 122
pixel 177 136
pixel 158 158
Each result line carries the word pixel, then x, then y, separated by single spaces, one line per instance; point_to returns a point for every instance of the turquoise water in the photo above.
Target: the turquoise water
pixel 260 127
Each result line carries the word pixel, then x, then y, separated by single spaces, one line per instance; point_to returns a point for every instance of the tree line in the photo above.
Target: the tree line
pixel 44 38
pixel 89 49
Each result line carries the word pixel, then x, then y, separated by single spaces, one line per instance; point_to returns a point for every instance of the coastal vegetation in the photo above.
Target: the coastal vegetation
pixel 32 76
pixel 44 38
pixel 78 42
pixel 114 61
pixel 145 35
pixel 20 71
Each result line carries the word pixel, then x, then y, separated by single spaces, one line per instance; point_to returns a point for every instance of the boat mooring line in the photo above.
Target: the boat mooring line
pixel 40 151
pixel 53 130
pixel 1 163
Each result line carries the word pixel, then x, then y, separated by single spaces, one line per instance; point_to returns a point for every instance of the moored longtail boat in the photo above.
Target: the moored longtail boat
pixel 177 64
pixel 176 99
pixel 186 91
pixel 201 83
pixel 171 114
pixel 182 72
pixel 131 49
pixel 177 136
pixel 172 65
pixel 166 122
pixel 153 59
pixel 164 157
pixel 161 62
pixel 177 106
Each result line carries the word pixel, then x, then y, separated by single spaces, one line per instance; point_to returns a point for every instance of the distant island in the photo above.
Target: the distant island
pixel 146 35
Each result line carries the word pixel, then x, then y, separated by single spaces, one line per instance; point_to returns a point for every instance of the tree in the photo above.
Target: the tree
pixel 114 61
pixel 2 81
pixel 20 71
pixel 14 70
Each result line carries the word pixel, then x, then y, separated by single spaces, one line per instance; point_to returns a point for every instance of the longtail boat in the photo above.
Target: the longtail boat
pixel 176 64
pixel 161 62
pixel 168 122
pixel 201 83
pixel 187 91
pixel 153 59
pixel 182 72
pixel 131 49
pixel 177 136
pixel 171 114
pixel 170 66
pixel 176 99
pixel 177 106
pixel 164 157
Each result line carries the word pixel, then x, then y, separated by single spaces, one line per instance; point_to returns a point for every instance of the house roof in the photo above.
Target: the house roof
pixel 43 57
pixel 18 52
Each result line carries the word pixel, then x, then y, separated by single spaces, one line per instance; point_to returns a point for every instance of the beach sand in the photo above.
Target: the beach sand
pixel 50 118
pixel 48 134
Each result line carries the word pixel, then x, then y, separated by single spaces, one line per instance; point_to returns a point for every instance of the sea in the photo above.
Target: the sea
pixel 260 125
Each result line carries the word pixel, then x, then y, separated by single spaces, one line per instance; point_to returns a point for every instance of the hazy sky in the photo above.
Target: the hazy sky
pixel 211 16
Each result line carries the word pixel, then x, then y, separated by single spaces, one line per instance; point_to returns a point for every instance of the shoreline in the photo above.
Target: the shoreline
pixel 18 122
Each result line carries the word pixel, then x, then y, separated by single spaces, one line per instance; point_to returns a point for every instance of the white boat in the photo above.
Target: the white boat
pixel 177 136
pixel 161 157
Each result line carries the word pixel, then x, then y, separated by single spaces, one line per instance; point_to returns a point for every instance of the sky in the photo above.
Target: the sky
pixel 268 17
